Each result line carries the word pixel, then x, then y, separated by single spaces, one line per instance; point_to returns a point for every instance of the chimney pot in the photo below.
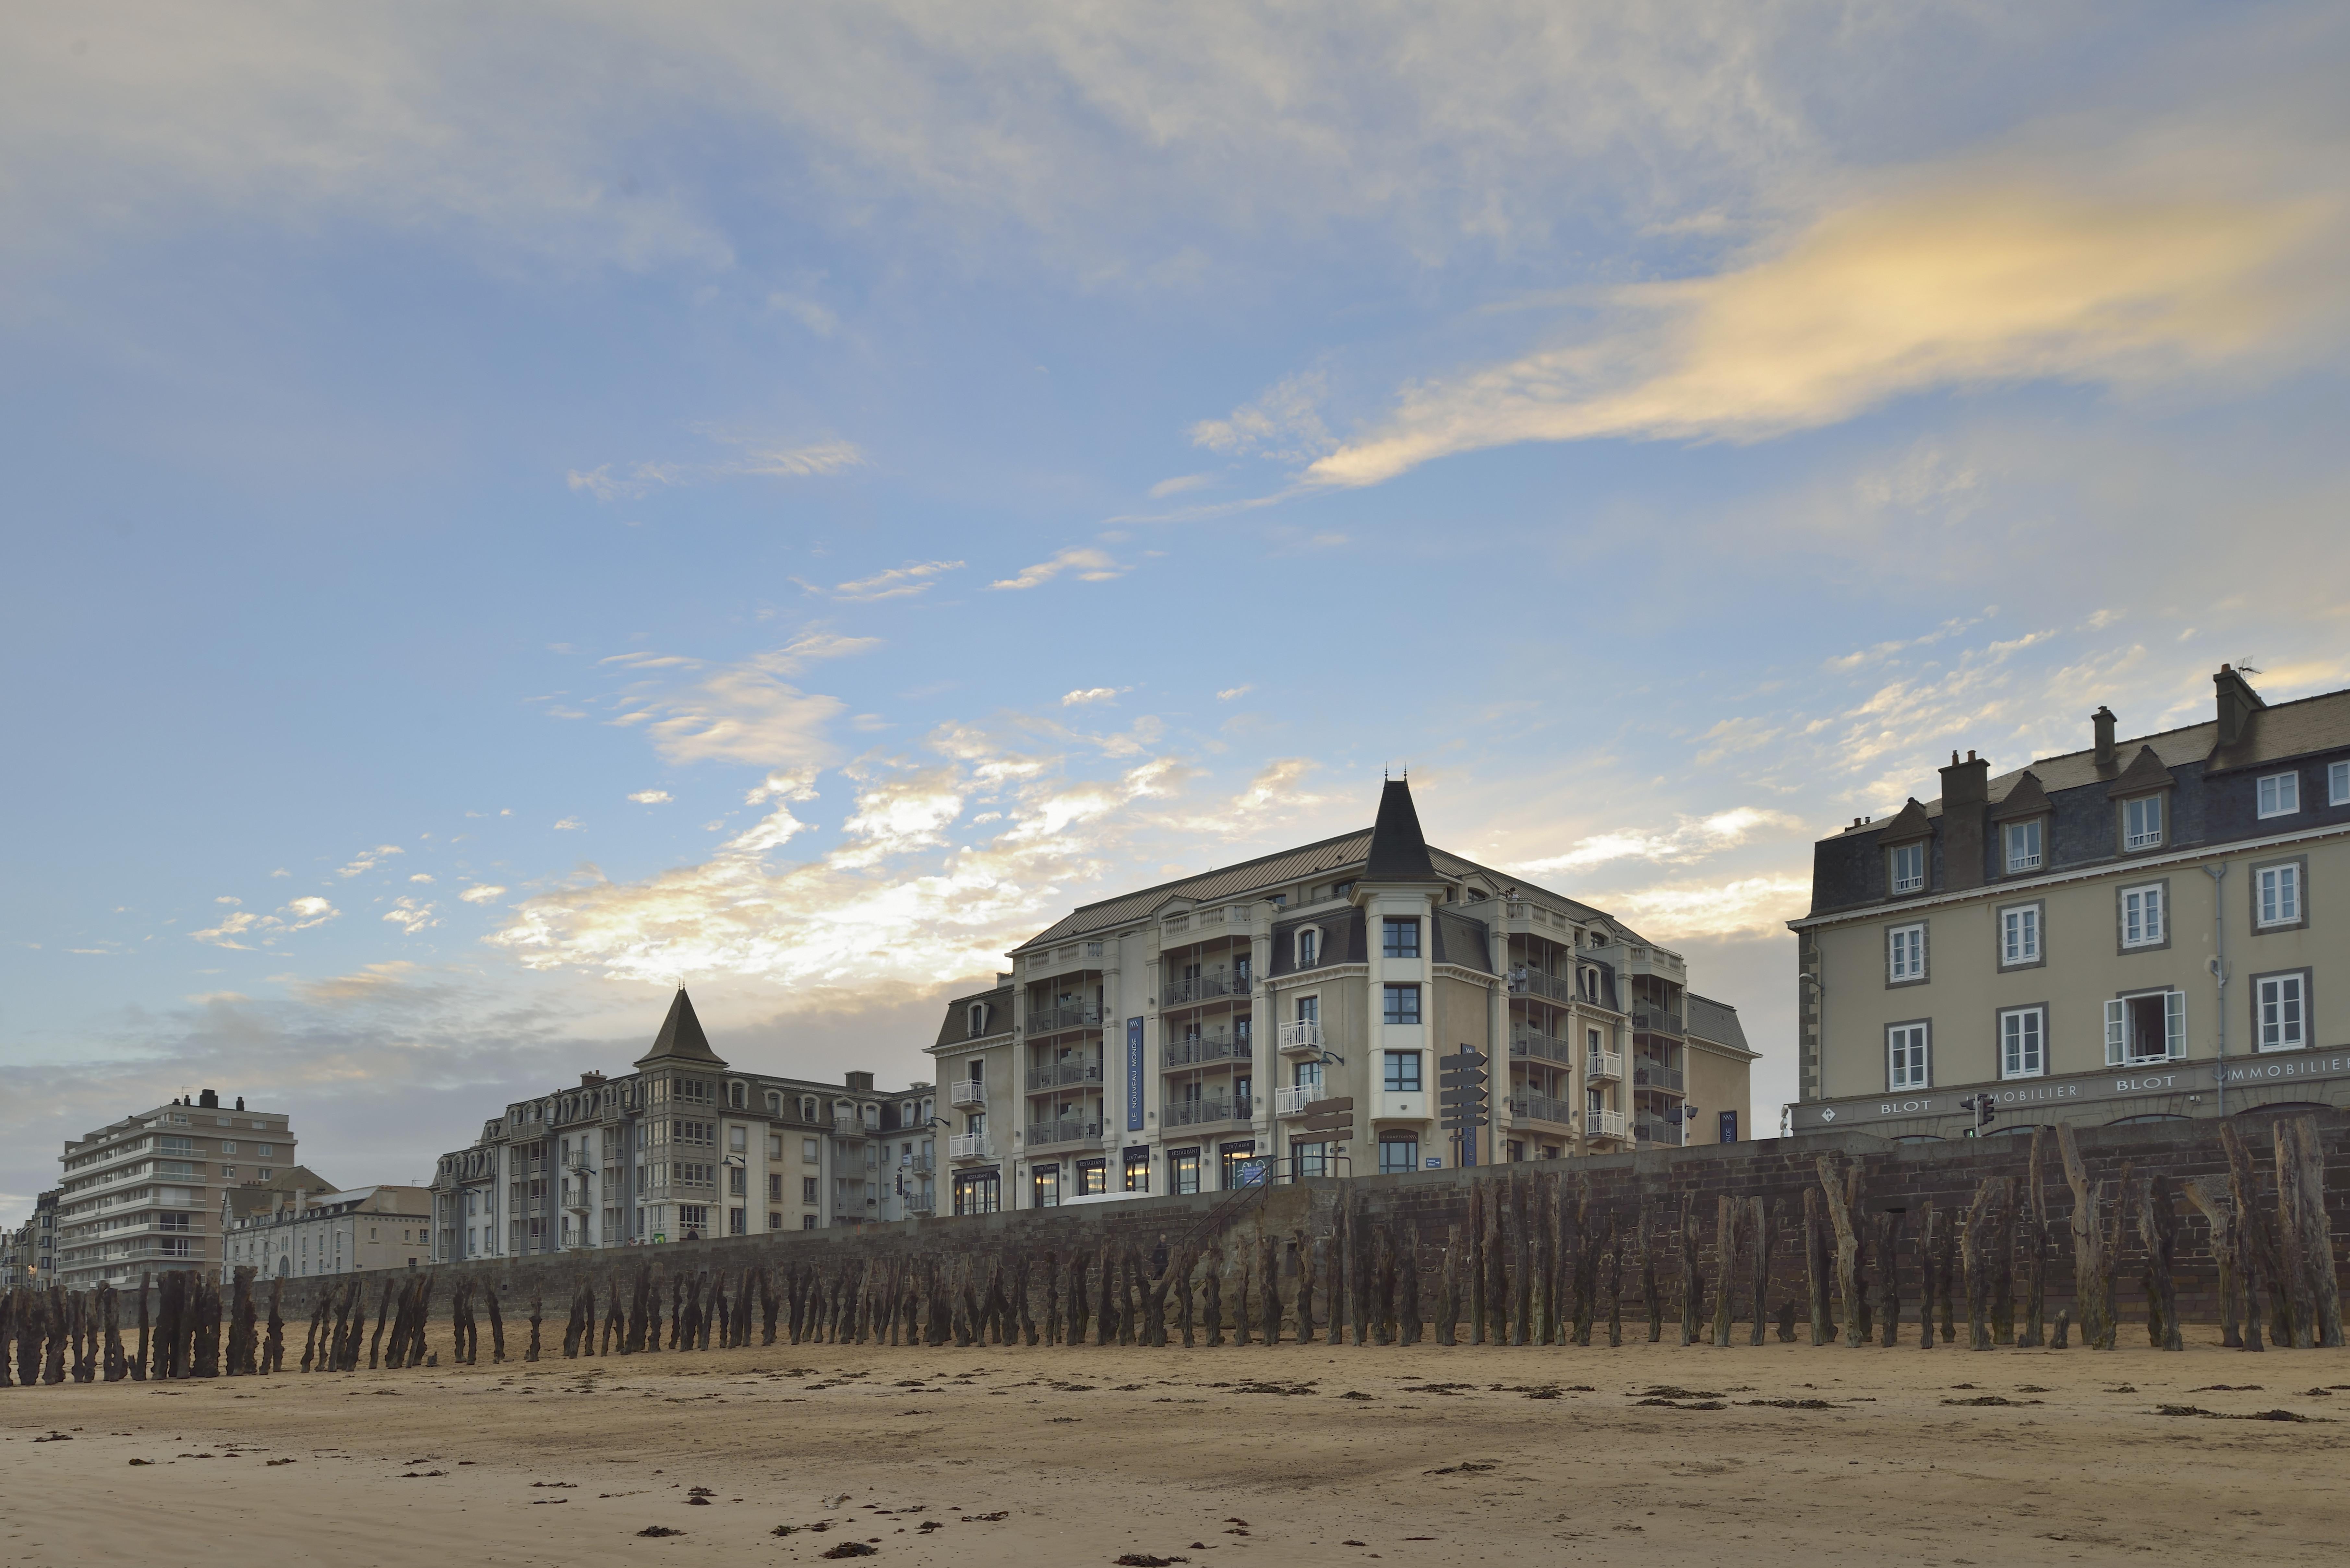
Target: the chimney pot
pixel 2101 724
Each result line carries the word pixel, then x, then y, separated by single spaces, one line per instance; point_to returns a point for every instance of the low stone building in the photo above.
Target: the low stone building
pixel 299 1225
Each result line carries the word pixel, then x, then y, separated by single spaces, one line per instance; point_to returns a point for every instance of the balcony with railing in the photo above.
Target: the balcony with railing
pixel 1228 917
pixel 1205 1112
pixel 971 1146
pixel 1533 982
pixel 1601 1064
pixel 1526 1042
pixel 1655 1020
pixel 1191 990
pixel 918 1160
pixel 1603 1124
pixel 1067 1129
pixel 1542 1108
pixel 1300 1036
pixel 918 1202
pixel 1203 1049
pixel 1054 1020
pixel 1651 1074
pixel 968 1092
pixel 1658 1131
pixel 1060 1074
pixel 1293 1102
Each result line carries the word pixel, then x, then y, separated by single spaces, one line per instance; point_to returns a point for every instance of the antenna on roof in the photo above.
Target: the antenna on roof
pixel 2246 667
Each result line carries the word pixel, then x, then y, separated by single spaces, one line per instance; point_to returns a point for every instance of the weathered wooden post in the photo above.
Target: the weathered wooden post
pixel 1815 1268
pixel 1554 1251
pixel 273 1348
pixel 2001 1246
pixel 1521 1265
pixel 1472 1262
pixel 2255 1249
pixel 2308 1177
pixel 1211 1296
pixel 1408 1287
pixel 1889 1277
pixel 1835 1184
pixel 1927 1240
pixel 1652 1294
pixel 1586 1263
pixel 2157 1229
pixel 1762 1233
pixel 2035 1242
pixel 1692 1284
pixel 1497 1267
pixel 1725 1265
pixel 1187 1266
pixel 2208 1194
pixel 1946 1274
pixel 1614 1267
pixel 1304 1248
pixel 1971 1250
pixel 117 1365
pixel 1268 1269
pixel 2092 1272
pixel 1244 1267
pixel 537 1315
pixel 1448 1289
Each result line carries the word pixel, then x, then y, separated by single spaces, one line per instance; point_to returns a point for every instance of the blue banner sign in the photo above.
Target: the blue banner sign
pixel 1134 1075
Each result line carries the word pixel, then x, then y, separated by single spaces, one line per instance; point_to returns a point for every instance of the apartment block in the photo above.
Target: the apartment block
pixel 28 1253
pixel 685 1146
pixel 143 1193
pixel 2143 931
pixel 1121 1053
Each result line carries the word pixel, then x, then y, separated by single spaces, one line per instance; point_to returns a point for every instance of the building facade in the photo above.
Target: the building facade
pixel 685 1146
pixel 299 1231
pixel 1122 1054
pixel 2145 930
pixel 28 1254
pixel 143 1194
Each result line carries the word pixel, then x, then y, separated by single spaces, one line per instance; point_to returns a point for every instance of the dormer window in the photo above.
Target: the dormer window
pixel 807 1108
pixel 2142 823
pixel 1905 867
pixel 1309 947
pixel 2022 846
pixel 736 1097
pixel 977 1020
pixel 2280 794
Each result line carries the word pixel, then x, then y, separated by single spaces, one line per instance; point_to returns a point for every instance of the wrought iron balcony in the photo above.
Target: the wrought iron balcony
pixel 1199 988
pixel 1603 1124
pixel 1542 1108
pixel 1603 1064
pixel 1054 1020
pixel 1657 1130
pixel 1649 1073
pixel 918 1202
pixel 1202 1113
pixel 1533 982
pixel 1070 1129
pixel 1202 1049
pixel 1057 1074
pixel 1526 1042
pixel 1649 1016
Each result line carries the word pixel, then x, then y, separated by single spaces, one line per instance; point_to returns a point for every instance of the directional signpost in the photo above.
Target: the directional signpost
pixel 1461 1080
pixel 1330 1116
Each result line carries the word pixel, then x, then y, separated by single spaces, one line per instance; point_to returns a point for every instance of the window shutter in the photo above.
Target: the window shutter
pixel 2174 1023
pixel 2115 1025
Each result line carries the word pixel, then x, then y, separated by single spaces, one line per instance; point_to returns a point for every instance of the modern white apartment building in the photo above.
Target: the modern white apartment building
pixel 1123 1053
pixel 2145 930
pixel 143 1193
pixel 685 1146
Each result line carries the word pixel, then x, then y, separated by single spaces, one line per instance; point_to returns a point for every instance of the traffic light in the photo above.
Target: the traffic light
pixel 1983 1109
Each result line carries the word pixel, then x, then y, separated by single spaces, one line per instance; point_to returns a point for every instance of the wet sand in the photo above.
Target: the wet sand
pixel 1055 1456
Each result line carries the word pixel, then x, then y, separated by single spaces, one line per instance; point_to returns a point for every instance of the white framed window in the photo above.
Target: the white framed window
pixel 2142 916
pixel 2281 1012
pixel 2022 1043
pixel 2142 823
pixel 2019 935
pixel 2148 1027
pixel 2277 895
pixel 1309 947
pixel 2337 783
pixel 2280 794
pixel 2024 849
pixel 1905 867
pixel 1906 1056
pixel 1905 954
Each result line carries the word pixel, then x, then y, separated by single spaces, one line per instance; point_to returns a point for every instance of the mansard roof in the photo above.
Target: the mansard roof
pixel 680 1037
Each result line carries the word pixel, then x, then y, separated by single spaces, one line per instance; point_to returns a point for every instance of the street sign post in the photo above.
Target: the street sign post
pixel 1460 1100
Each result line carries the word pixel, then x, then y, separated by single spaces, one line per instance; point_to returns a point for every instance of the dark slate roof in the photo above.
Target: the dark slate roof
pixel 1398 852
pixel 955 1028
pixel 1456 939
pixel 680 1037
pixel 2025 798
pixel 1715 1021
pixel 1343 941
pixel 2144 775
pixel 2287 730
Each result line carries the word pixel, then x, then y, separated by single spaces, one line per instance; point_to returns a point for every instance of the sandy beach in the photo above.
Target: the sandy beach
pixel 1293 1454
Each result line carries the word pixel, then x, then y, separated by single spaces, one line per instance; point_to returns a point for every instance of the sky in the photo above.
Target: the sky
pixel 512 510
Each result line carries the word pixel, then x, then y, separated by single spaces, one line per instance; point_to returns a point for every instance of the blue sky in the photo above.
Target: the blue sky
pixel 507 514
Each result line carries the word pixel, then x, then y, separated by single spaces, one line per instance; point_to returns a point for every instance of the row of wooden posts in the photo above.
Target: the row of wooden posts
pixel 1536 1262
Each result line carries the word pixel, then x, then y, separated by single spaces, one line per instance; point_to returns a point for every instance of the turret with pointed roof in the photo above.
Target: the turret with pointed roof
pixel 1398 853
pixel 680 1038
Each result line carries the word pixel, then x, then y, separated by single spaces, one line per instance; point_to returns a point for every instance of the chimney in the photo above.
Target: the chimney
pixel 1965 793
pixel 208 1100
pixel 2238 703
pixel 2101 723
pixel 240 1102
pixel 861 1082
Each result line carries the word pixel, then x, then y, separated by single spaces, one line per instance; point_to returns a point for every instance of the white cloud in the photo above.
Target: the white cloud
pixel 483 893
pixel 1179 483
pixel 224 898
pixel 410 916
pixel 1091 565
pixel 652 797
pixel 1284 423
pixel 422 876
pixel 898 582
pixel 1231 693
pixel 1956 281
pixel 299 915
pixel 568 825
pixel 1690 839
pixel 368 860
pixel 743 712
pixel 1091 695
pixel 638 479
